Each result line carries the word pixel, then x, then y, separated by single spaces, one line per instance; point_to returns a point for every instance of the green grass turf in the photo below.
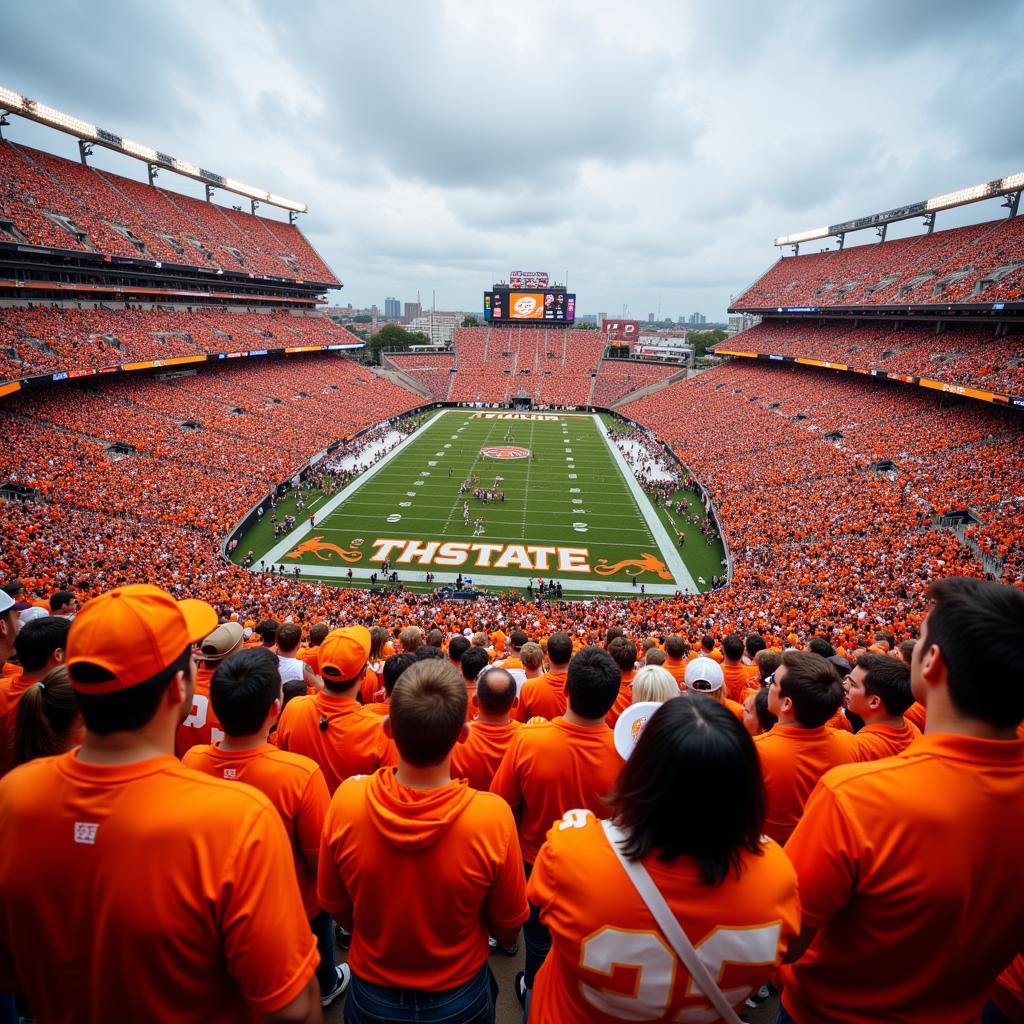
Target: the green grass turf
pixel 543 503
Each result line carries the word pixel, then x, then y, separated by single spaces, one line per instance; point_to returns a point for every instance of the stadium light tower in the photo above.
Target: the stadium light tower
pixel 89 135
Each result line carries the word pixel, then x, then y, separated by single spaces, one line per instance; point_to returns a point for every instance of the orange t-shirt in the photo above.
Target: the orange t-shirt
pixel 736 679
pixel 609 961
pixel 1008 994
pixel 202 725
pixel 874 742
pixel 543 697
pixel 916 714
pixel 677 669
pixel 12 688
pixel 352 743
pixel 792 761
pixel 478 758
pixel 908 866
pixel 551 767
pixel 839 722
pixel 295 786
pixel 162 893
pixel 311 656
pixel 381 708
pixel 447 860
pixel 372 687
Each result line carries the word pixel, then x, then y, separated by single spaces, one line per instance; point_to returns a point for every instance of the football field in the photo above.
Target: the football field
pixel 555 500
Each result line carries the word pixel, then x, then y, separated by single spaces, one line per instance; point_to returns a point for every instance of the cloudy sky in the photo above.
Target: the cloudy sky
pixel 650 149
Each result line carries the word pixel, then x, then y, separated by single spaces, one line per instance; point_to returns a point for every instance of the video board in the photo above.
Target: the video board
pixel 619 331
pixel 528 279
pixel 503 305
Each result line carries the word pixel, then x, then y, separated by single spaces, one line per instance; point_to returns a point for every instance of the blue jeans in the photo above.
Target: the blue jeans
pixel 326 973
pixel 472 1003
pixel 536 939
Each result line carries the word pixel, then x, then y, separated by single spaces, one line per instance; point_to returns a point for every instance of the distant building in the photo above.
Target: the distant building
pixel 411 310
pixel 697 320
pixel 392 308
pixel 742 322
pixel 601 317
pixel 650 318
pixel 437 326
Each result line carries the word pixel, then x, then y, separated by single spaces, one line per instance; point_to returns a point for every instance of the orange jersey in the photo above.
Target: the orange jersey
pixel 295 786
pixel 734 707
pixel 677 669
pixel 11 688
pixel 372 687
pixel 609 961
pixel 552 767
pixel 352 742
pixel 792 761
pixel 446 860
pixel 874 742
pixel 1008 994
pixel 478 758
pixel 893 855
pixel 381 708
pixel 839 722
pixel 622 701
pixel 202 725
pixel 543 697
pixel 736 679
pixel 163 893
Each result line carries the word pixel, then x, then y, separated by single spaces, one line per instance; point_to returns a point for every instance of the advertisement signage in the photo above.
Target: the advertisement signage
pixel 527 279
pixel 621 330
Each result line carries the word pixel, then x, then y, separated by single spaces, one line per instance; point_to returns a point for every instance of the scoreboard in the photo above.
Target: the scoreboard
pixel 504 305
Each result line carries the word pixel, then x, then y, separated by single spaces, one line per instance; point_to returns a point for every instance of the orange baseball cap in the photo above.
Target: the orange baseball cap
pixel 134 632
pixel 344 653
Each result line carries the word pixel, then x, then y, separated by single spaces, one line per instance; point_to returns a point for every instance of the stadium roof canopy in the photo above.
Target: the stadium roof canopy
pixel 89 135
pixel 1010 186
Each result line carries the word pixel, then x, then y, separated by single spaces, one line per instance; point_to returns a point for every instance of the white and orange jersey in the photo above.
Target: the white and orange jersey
pixel 610 962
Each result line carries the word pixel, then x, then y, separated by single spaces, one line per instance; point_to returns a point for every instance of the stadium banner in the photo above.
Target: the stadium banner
pixel 152 364
pixel 10 387
pixel 528 279
pixel 818 362
pixel 727 352
pixel 621 330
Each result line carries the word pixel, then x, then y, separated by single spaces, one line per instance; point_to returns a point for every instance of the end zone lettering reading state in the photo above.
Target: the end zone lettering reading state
pixel 457 553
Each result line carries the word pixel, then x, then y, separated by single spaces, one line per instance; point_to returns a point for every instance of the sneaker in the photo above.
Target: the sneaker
pixel 521 988
pixel 764 993
pixel 342 937
pixel 493 947
pixel 344 978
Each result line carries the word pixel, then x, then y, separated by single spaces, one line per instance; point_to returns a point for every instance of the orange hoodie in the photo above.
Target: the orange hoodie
pixel 448 860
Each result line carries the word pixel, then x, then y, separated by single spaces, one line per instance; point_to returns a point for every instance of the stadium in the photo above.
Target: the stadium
pixel 179 411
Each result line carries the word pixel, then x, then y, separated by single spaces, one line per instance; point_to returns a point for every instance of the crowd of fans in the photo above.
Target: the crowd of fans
pixel 964 356
pixel 434 371
pixel 977 263
pixel 616 378
pixel 47 339
pixel 65 205
pixel 553 367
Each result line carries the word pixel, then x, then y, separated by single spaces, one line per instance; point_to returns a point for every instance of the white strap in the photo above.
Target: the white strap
pixel 669 926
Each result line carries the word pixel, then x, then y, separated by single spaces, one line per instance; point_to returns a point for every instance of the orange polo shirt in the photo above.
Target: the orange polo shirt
pixel 608 959
pixel 736 678
pixel 162 893
pixel 342 736
pixel 447 860
pixel 792 761
pixel 916 714
pixel 295 786
pixel 677 670
pixel 543 697
pixel 478 758
pixel 874 742
pixel 917 901
pixel 551 767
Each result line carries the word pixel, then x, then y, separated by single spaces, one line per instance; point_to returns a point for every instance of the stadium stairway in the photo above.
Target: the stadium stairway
pixel 643 392
pixel 404 380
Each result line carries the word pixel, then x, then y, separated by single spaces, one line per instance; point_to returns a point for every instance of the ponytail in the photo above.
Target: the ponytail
pixel 45 716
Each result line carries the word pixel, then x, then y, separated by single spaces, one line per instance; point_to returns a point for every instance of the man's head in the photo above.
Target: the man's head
pixel 732 647
pixel 805 689
pixel 393 668
pixel 435 638
pixel 559 650
pixel 516 640
pixel 288 637
pixel 473 662
pixel 428 712
pixel 611 634
pixel 819 645
pixel 675 647
pixel 531 655
pixel 767 662
pixel 411 638
pixel 906 650
pixel 707 643
pixel 40 645
pixel 318 633
pixel 245 690
pixel 343 657
pixel 495 692
pixel 623 653
pixel 227 638
pixel 267 632
pixel 704 675
pixel 592 683
pixel 754 643
pixel 129 657
pixel 457 647
pixel 655 656
pixel 970 647
pixel 879 687
pixel 64 603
